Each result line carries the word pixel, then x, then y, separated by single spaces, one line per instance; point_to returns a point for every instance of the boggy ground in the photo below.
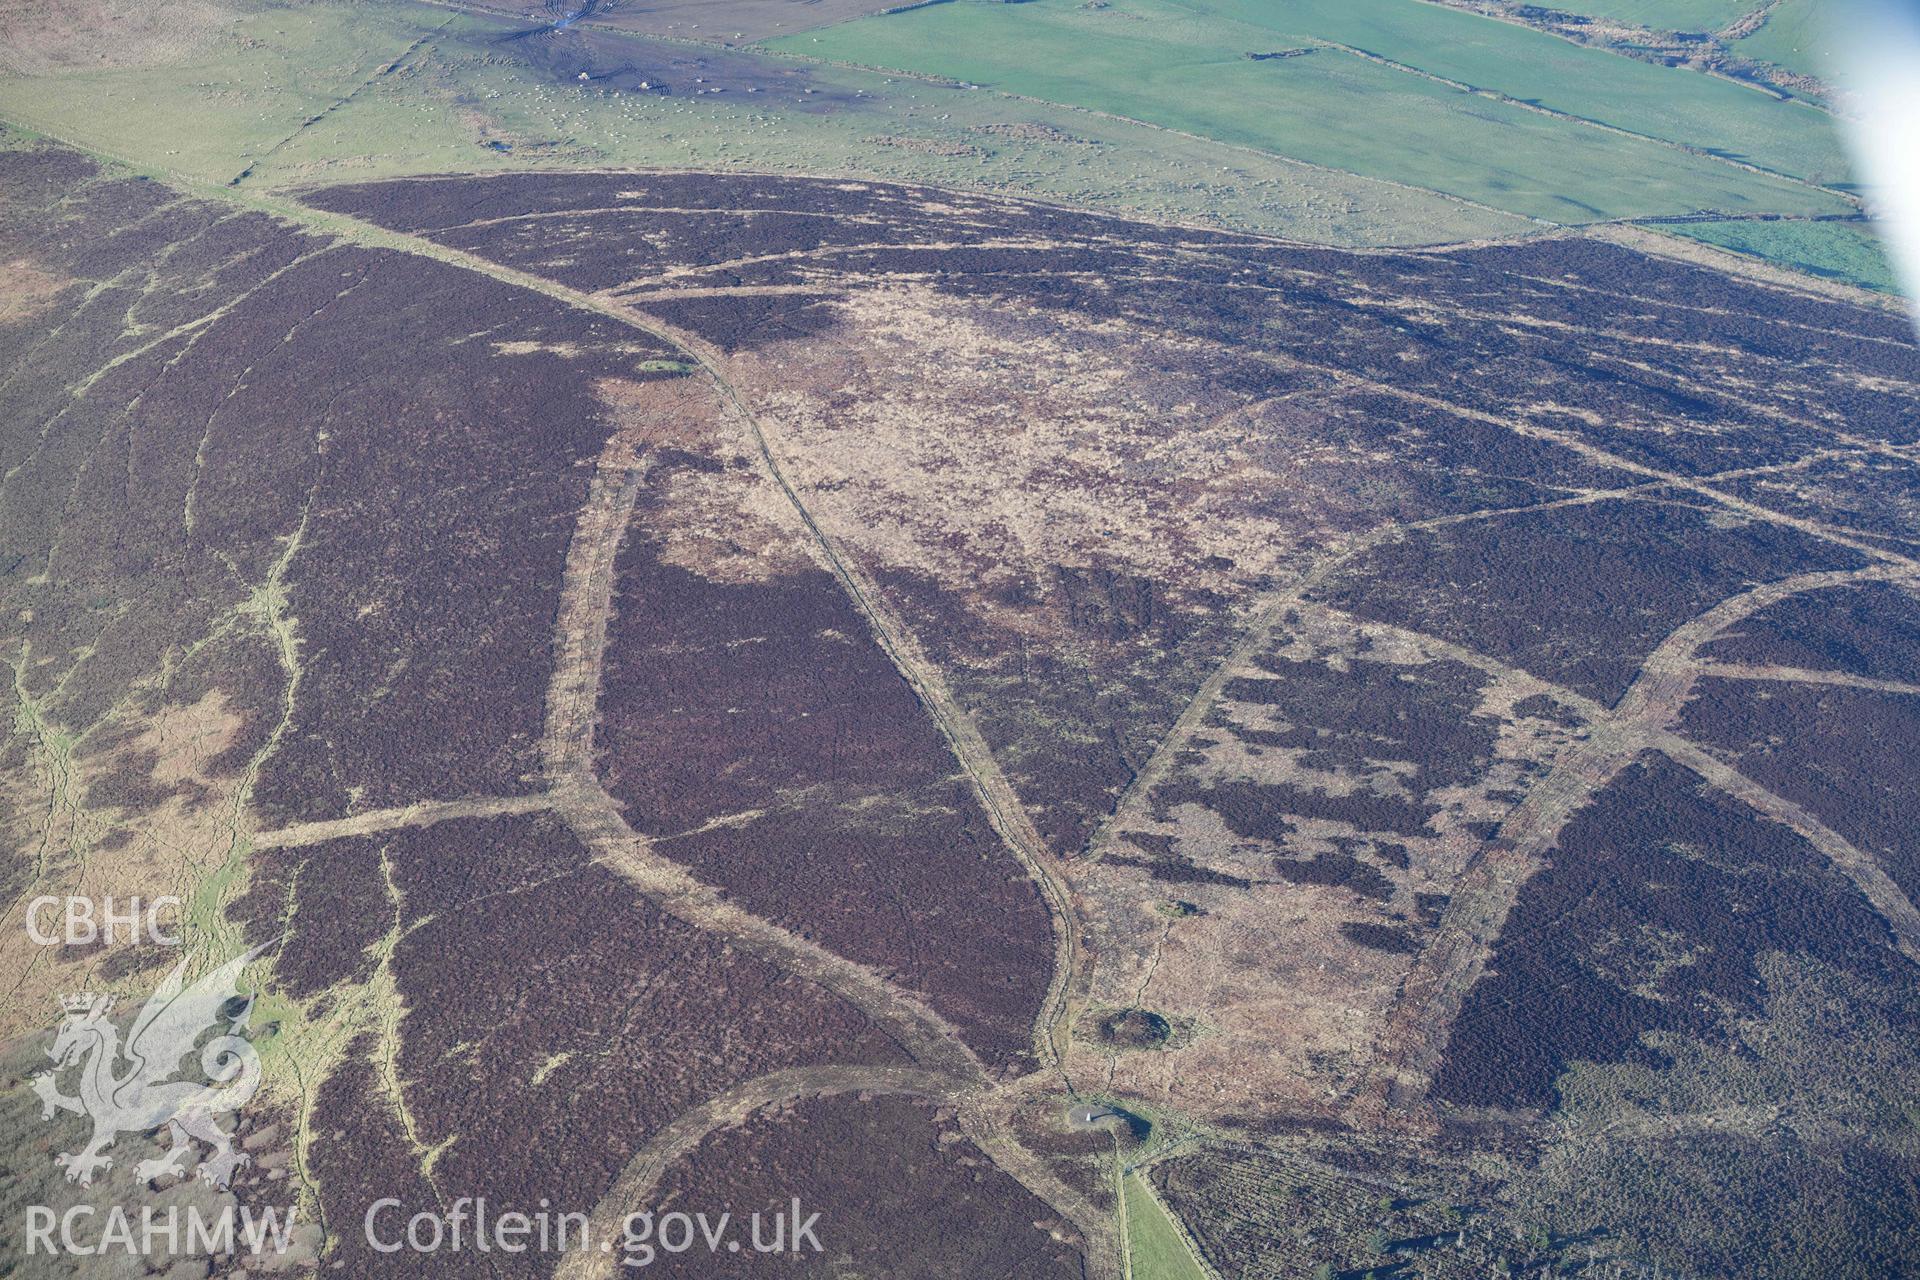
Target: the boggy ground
pixel 729 22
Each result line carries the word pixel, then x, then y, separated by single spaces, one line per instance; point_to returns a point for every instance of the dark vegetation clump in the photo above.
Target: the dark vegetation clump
pixel 1267 810
pixel 1539 706
pixel 1341 869
pixel 1381 937
pixel 122 962
pixel 1111 605
pixel 1347 720
pixel 1347 716
pixel 1174 868
pixel 1391 852
pixel 1135 1029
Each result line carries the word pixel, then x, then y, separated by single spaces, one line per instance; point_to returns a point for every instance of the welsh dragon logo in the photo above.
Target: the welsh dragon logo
pixel 142 1096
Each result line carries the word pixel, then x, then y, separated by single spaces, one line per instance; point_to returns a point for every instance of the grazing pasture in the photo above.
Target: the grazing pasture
pixel 1563 132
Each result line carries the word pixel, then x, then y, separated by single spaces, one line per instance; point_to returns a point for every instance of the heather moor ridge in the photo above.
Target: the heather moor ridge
pixel 782 639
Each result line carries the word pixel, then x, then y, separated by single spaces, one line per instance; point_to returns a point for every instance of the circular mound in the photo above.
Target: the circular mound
pixel 1135 1029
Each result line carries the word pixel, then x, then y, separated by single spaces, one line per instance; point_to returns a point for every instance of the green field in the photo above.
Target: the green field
pixel 1184 66
pixel 1669 103
pixel 1662 15
pixel 1155 1248
pixel 206 117
pixel 1845 251
pixel 1146 107
pixel 296 95
pixel 1794 36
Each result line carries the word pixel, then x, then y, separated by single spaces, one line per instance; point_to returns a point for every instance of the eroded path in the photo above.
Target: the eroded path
pixel 1003 807
pixel 948 1068
pixel 1456 956
pixel 736 1106
pixel 423 814
pixel 576 794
